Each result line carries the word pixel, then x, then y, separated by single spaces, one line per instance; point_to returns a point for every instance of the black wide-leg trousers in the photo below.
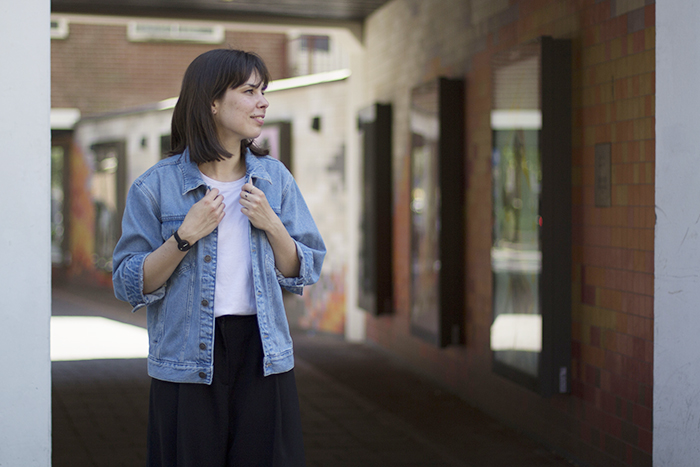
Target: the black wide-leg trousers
pixel 242 419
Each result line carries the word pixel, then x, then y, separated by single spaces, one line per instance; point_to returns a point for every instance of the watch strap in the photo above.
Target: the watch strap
pixel 182 245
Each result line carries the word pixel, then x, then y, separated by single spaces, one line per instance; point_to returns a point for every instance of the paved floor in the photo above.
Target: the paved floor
pixel 361 407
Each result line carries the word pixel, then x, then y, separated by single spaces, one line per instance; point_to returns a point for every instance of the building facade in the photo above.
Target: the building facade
pixel 601 370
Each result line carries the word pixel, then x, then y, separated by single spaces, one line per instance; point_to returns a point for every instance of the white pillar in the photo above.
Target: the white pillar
pixel 25 267
pixel 355 318
pixel 676 410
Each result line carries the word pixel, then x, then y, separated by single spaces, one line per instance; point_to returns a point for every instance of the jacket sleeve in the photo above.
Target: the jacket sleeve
pixel 141 234
pixel 311 250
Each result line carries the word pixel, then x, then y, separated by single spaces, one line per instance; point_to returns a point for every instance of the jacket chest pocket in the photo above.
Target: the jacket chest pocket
pixel 168 228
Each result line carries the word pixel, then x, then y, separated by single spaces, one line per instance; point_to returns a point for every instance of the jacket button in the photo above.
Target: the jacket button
pixel 207 259
pixel 202 374
pixel 205 303
pixel 203 346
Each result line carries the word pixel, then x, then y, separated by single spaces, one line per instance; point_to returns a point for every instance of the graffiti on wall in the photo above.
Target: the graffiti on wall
pixel 324 304
pixel 82 221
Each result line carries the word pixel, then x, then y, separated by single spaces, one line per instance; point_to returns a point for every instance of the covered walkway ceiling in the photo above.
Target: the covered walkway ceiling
pixel 268 11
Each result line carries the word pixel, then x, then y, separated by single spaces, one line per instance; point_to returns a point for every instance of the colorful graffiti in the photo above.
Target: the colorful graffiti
pixel 325 304
pixel 82 222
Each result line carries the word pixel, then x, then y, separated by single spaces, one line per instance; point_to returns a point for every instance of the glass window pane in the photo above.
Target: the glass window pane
pixel 425 211
pixel 516 258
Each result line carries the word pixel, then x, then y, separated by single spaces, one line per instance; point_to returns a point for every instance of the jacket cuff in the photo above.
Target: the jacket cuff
pixel 296 284
pixel 134 288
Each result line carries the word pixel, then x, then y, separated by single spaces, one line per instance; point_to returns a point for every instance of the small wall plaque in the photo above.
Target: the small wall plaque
pixel 603 196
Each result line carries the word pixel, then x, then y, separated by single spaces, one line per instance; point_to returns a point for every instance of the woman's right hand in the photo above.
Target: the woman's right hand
pixel 200 221
pixel 203 217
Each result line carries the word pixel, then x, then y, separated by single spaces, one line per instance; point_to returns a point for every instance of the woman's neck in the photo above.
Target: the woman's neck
pixel 228 170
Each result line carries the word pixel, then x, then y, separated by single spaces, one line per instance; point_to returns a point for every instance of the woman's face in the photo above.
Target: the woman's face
pixel 240 112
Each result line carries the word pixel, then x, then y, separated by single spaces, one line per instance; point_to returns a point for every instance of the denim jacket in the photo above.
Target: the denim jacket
pixel 181 312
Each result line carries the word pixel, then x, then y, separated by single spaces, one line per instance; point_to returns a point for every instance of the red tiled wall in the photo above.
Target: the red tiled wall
pixel 606 420
pixel 614 247
pixel 97 69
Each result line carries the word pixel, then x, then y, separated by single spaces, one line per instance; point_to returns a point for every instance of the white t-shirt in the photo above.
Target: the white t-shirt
pixel 234 293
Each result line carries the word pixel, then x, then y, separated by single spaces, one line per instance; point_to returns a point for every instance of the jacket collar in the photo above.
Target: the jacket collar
pixel 192 178
pixel 255 168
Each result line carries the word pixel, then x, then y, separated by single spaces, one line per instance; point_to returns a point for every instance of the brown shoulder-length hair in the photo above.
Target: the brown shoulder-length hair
pixel 206 80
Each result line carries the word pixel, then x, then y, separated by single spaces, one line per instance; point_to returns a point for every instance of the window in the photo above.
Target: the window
pixel 309 54
pixel 531 249
pixel 314 43
pixel 437 227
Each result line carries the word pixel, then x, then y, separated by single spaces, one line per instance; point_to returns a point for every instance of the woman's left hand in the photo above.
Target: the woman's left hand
pixel 257 209
pixel 261 215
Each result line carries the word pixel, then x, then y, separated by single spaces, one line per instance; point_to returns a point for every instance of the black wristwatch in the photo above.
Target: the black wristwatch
pixel 182 245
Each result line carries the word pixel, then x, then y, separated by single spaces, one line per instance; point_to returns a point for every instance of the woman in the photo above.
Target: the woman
pixel 210 236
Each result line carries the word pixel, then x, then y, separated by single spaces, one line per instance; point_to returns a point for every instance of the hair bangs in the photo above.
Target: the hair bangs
pixel 238 70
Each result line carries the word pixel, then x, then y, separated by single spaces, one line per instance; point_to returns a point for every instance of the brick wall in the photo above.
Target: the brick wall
pixel 96 69
pixel 607 418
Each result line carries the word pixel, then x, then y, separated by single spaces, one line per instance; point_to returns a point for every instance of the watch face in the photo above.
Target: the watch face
pixel 182 245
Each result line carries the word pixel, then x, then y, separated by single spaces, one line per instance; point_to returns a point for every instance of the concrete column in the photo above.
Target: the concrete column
pixel 25 267
pixel 355 318
pixel 677 241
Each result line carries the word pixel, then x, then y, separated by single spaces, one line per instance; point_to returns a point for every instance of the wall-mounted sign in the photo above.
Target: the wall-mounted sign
pixel 603 171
